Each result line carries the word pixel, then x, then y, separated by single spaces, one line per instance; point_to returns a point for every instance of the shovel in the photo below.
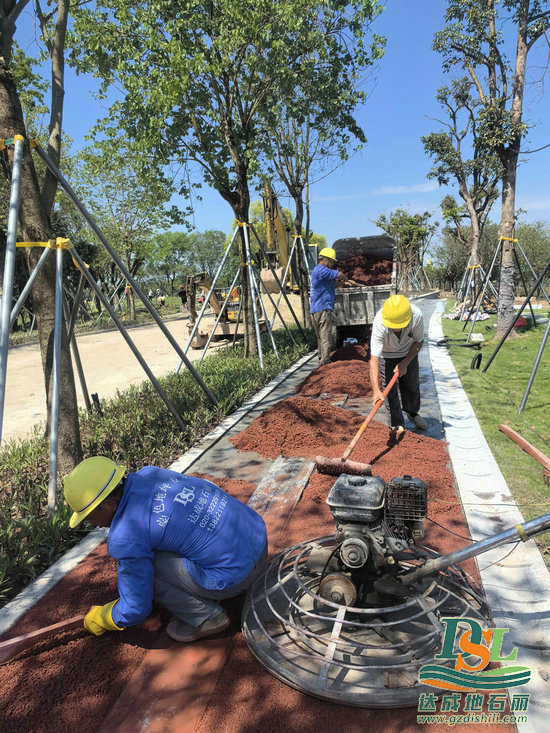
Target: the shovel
pixel 336 466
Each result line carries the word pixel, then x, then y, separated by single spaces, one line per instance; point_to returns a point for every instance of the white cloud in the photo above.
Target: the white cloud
pixel 418 188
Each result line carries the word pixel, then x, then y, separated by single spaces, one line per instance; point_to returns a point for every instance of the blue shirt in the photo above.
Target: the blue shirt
pixel 322 289
pixel 219 538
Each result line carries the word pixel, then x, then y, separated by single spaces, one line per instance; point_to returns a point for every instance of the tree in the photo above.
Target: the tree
pixel 34 215
pixel 461 153
pixel 128 201
pixel 412 233
pixel 198 78
pixel 475 39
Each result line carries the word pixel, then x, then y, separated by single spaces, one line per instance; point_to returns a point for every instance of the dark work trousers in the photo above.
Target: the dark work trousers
pixel 322 324
pixel 176 590
pixel 409 388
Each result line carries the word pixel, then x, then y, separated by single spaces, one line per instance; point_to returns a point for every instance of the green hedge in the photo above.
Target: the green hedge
pixel 136 429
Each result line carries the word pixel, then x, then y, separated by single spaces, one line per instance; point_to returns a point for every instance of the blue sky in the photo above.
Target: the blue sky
pixel 390 171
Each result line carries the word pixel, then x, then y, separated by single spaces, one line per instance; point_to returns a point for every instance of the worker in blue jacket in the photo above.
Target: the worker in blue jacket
pixel 178 540
pixel 322 296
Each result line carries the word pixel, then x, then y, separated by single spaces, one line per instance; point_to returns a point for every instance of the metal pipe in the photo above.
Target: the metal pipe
pixel 280 286
pixel 529 529
pixel 285 275
pixel 486 280
pixel 274 306
pixel 517 315
pixel 535 367
pixel 76 357
pixel 524 286
pixel 220 314
pixel 9 268
pixel 18 307
pixel 76 305
pixel 206 300
pixel 257 281
pixel 253 294
pixel 128 340
pixel 532 271
pixel 63 182
pixel 56 373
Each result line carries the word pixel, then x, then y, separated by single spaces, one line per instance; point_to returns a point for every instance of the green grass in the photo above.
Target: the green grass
pixel 496 396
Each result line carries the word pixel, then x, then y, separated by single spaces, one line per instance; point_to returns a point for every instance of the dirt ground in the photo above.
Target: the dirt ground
pixel 108 364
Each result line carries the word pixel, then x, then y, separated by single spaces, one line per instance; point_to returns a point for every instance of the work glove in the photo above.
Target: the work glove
pixel 99 619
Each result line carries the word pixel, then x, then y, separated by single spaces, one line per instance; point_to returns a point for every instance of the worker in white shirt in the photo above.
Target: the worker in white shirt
pixel 397 337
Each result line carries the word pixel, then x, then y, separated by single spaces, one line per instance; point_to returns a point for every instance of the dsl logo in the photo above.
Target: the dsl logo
pixel 486 645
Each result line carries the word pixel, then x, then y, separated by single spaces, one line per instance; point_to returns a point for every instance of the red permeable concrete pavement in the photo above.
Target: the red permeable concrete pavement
pixel 73 682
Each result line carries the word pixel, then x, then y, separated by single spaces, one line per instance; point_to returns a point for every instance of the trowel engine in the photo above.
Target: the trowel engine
pixel 376 524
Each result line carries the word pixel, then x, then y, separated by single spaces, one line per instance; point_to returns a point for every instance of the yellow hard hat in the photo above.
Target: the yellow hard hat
pixel 89 483
pixel 328 252
pixel 396 312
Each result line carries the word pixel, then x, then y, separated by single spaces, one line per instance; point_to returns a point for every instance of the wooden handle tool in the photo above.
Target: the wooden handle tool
pixel 11 647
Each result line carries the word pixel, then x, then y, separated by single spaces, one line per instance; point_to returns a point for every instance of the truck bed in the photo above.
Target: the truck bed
pixel 358 306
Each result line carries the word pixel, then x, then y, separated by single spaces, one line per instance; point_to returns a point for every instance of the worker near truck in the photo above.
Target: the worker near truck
pixel 323 278
pixel 397 337
pixel 178 540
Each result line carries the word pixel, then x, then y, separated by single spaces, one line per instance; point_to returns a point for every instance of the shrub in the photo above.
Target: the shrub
pixel 136 429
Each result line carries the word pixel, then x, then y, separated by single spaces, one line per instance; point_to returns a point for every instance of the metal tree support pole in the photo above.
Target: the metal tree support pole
pixel 238 321
pixel 257 282
pixel 76 357
pixel 63 182
pixel 524 286
pixel 18 307
pixel 485 281
pixel 463 281
pixel 220 314
pixel 54 420
pixel 535 367
pixel 518 314
pixel 280 286
pixel 270 326
pixel 468 287
pixel 9 269
pixel 285 275
pixel 532 271
pixel 524 531
pixel 127 338
pixel 71 320
pixel 252 286
pixel 207 299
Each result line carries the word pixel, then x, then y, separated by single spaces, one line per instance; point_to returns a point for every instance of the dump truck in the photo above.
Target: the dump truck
pixel 369 260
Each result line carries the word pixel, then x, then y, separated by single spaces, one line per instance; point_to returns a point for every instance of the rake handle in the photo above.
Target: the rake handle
pixel 11 647
pixel 369 417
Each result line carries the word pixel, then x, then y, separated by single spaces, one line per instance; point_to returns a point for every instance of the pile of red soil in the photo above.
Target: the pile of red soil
pixel 71 681
pixel 341 377
pixel 351 352
pixel 366 269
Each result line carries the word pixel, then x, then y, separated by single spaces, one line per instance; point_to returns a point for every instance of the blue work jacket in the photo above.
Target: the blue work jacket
pixel 219 538
pixel 322 289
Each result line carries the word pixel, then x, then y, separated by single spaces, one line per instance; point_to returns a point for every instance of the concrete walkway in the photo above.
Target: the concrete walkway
pixel 516 580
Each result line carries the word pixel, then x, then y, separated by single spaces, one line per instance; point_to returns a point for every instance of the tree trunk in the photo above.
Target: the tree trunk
pixel 506 312
pixel 36 227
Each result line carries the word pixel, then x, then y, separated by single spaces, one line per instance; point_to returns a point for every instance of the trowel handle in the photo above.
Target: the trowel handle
pixel 369 417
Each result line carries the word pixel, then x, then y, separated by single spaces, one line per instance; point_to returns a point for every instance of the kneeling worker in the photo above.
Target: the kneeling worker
pixel 397 337
pixel 178 540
